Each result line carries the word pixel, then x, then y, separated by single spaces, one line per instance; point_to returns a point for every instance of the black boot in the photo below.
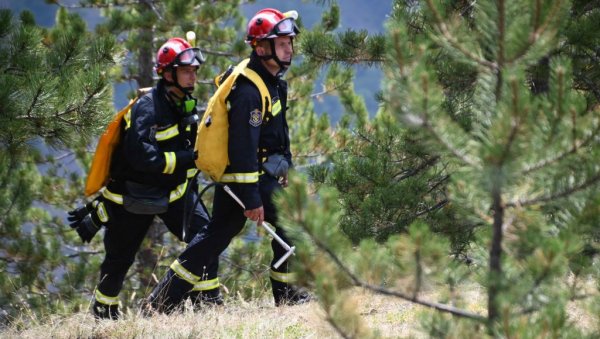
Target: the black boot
pixel 206 298
pixel 169 295
pixel 288 295
pixel 103 311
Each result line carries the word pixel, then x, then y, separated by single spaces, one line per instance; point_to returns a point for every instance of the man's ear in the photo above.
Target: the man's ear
pixel 168 75
pixel 263 48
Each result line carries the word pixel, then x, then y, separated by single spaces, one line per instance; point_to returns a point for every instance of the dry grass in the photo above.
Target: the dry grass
pixel 259 319
pixel 390 317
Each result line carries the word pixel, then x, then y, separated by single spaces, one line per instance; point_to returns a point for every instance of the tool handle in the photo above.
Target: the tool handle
pixel 290 250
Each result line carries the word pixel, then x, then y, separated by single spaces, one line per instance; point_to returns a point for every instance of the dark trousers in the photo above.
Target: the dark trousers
pixel 227 221
pixel 125 232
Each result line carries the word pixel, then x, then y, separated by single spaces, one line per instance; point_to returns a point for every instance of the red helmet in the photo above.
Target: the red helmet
pixel 269 23
pixel 177 52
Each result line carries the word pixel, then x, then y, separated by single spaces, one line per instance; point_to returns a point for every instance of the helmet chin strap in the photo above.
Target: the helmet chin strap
pixel 186 104
pixel 187 91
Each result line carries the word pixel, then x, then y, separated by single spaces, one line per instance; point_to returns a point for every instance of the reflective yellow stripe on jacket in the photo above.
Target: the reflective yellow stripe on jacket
pixel 168 133
pixel 101 212
pixel 175 194
pixel 244 178
pixel 191 172
pixel 170 162
pixel 178 192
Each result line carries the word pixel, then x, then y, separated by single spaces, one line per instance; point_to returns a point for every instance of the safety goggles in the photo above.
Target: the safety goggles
pixel 284 27
pixel 189 57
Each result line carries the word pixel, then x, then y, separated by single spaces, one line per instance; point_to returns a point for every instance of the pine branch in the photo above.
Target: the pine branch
pixel 96 91
pixel 337 328
pixel 79 253
pixel 456 152
pixel 232 263
pixel 218 53
pixel 537 282
pixel 432 208
pixel 323 92
pixel 16 193
pixel 500 57
pixel 380 290
pixel 108 5
pixel 516 123
pixel 6 177
pixel 540 29
pixel 418 273
pixel 591 85
pixel 584 185
pixel 441 25
pixel 154 9
pixel 438 183
pixel 38 93
pixel 558 157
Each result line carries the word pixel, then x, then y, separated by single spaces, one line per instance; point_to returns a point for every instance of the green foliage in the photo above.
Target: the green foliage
pixel 53 90
pixel 386 182
pixel 489 91
pixel 246 265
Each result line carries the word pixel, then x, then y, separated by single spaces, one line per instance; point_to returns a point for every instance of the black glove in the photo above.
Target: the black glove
pixel 80 219
pixel 76 215
pixel 87 229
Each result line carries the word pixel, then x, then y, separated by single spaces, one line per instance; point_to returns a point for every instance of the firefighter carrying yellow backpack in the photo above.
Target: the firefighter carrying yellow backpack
pixel 213 130
pixel 100 168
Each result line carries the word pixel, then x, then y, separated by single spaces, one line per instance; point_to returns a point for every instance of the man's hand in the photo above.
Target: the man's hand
pixel 283 181
pixel 257 214
pixel 76 215
pixel 81 221
pixel 87 229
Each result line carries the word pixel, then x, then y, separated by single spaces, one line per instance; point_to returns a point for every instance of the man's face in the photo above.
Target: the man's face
pixel 186 76
pixel 284 49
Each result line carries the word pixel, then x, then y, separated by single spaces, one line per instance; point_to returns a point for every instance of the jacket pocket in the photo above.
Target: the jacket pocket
pixel 145 199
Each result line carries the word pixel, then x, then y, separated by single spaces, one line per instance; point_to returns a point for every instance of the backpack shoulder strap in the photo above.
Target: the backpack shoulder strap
pixel 242 69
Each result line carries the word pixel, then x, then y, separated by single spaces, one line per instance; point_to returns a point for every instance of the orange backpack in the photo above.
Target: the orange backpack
pixel 99 171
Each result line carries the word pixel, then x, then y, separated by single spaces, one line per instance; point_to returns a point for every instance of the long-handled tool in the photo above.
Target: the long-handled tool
pixel 290 250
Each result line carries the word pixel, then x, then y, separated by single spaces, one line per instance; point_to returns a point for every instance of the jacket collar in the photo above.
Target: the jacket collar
pixel 256 65
pixel 163 97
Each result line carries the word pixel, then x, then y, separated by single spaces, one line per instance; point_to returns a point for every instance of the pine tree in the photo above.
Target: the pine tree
pixel 501 97
pixel 55 94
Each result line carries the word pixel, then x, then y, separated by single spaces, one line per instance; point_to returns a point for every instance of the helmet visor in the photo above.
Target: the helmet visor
pixel 189 57
pixel 285 27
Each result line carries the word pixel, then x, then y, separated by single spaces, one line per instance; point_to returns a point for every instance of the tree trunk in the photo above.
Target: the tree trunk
pixel 495 274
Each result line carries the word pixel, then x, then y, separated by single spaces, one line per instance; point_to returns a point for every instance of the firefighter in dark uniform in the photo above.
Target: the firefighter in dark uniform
pixel 151 174
pixel 254 142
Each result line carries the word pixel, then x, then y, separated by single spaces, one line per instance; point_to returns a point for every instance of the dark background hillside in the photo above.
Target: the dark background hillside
pixel 366 15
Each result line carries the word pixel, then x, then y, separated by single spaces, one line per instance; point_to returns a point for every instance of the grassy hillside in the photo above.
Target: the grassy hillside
pixel 392 318
pixel 238 319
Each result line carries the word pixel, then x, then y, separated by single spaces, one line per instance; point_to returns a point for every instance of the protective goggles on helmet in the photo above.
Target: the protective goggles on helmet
pixel 189 57
pixel 284 27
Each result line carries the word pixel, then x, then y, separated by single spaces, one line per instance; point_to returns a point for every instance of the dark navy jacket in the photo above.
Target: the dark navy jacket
pixel 156 148
pixel 253 138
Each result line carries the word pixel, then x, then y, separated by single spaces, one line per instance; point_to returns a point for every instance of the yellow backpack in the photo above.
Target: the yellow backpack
pixel 213 130
pixel 99 171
